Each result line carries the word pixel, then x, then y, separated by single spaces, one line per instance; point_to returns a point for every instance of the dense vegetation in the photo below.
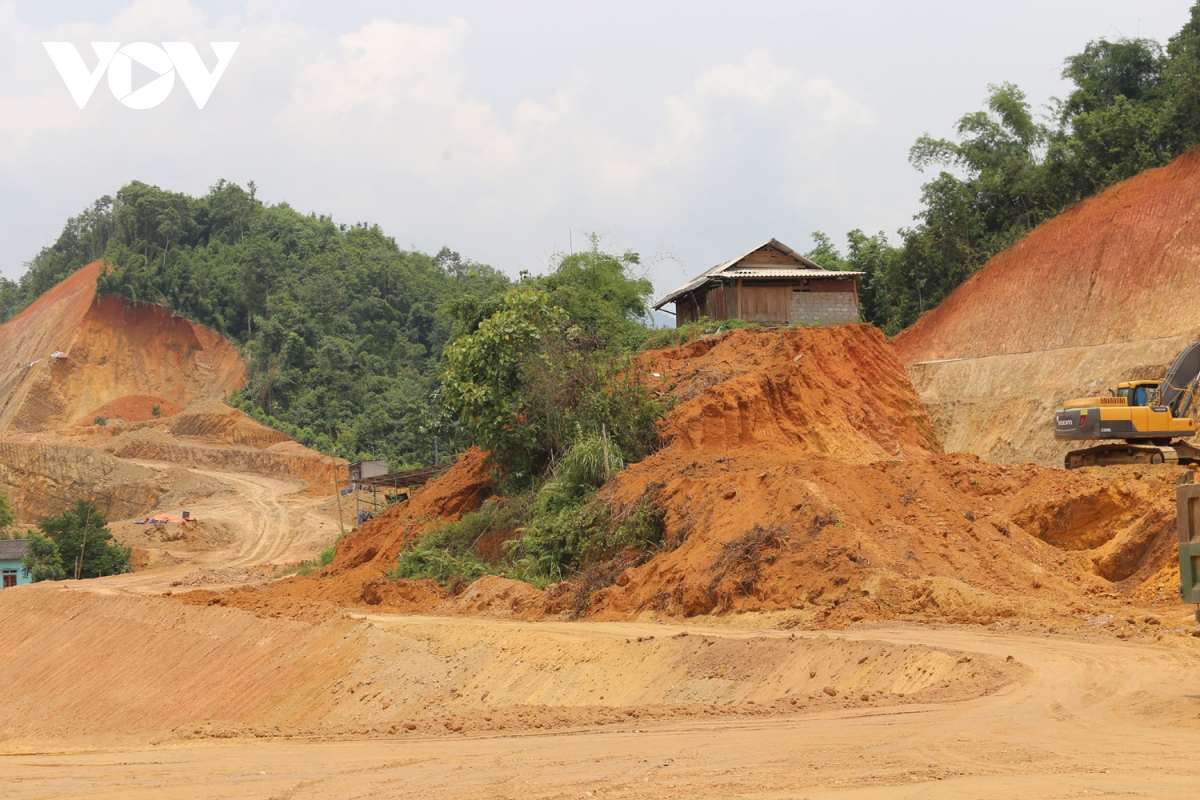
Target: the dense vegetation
pixel 342 330
pixel 1134 105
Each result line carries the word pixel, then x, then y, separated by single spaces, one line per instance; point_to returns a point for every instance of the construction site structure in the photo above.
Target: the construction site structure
pixel 1149 419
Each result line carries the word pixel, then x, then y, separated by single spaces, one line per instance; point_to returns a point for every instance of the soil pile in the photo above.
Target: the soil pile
pixel 877 524
pixel 136 382
pixel 1100 294
pixel 832 392
pixel 800 476
pixel 73 355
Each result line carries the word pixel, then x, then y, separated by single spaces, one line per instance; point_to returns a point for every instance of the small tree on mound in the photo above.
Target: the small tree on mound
pixel 87 547
pixel 42 561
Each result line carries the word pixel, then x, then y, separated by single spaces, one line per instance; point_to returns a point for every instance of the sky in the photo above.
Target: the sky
pixel 689 132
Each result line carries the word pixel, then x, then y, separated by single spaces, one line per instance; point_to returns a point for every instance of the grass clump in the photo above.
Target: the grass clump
pixel 562 530
pixel 673 337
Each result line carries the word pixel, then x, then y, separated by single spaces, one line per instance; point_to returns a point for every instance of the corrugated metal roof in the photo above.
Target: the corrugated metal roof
pixel 763 272
pixel 724 269
pixel 13 549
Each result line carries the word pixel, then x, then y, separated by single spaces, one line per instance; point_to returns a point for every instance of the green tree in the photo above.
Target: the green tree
pixel 1132 106
pixel 7 517
pixel 545 366
pixel 42 561
pixel 83 539
pixel 482 380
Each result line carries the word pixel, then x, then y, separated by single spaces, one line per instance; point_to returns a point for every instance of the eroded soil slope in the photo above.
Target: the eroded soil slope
pixel 74 360
pixel 1100 294
pixel 183 672
pixel 800 475
pixel 72 356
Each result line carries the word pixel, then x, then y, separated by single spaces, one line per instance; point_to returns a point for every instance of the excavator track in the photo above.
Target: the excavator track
pixel 1105 455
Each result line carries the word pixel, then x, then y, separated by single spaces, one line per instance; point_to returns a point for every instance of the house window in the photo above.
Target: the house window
pixel 10 578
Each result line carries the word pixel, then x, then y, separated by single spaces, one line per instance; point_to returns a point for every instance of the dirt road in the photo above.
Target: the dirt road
pixel 271 521
pixel 1108 718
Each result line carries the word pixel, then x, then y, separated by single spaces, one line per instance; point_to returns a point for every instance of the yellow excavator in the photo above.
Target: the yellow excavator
pixel 1149 419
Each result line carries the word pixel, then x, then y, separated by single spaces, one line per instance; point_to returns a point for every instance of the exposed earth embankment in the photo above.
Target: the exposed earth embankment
pixel 1100 294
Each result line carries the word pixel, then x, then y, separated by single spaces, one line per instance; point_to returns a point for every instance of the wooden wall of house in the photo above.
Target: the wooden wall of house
pixel 765 303
pixel 771 256
pixel 761 301
pixel 685 311
pixel 842 285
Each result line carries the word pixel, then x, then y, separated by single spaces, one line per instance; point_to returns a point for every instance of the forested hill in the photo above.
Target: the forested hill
pixel 341 329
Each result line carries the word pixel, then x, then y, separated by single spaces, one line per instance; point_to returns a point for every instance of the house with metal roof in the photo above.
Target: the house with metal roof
pixel 771 284
pixel 11 553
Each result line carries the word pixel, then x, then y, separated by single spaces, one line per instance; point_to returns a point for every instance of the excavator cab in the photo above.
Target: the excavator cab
pixel 1151 419
pixel 1139 393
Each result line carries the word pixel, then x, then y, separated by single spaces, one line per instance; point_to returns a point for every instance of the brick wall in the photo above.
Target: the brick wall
pixel 823 308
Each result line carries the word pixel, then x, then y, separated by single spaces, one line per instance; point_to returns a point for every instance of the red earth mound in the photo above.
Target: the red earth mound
pixel 837 511
pixel 1117 267
pixel 71 353
pixel 837 392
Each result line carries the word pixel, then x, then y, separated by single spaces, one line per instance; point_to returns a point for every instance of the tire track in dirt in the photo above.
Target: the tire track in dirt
pixel 1088 718
pixel 259 511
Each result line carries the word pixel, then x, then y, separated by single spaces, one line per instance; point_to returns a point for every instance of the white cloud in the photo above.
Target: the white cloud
pixel 386 123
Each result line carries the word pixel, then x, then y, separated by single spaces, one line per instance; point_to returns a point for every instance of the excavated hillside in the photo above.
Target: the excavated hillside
pixel 72 355
pixel 801 475
pixel 155 379
pixel 1100 294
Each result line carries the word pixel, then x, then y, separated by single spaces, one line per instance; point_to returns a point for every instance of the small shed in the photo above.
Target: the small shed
pixel 11 553
pixel 770 284
pixel 361 470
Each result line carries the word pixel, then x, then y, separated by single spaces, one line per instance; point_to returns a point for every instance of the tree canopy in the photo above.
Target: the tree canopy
pixel 1134 104
pixel 83 540
pixel 341 329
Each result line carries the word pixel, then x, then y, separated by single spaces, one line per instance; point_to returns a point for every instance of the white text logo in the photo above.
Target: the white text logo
pixel 163 61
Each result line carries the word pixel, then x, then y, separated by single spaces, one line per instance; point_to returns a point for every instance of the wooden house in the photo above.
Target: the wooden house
pixel 770 284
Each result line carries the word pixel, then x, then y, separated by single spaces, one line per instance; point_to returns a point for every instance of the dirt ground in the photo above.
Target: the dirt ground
pixel 1078 719
pixel 1100 294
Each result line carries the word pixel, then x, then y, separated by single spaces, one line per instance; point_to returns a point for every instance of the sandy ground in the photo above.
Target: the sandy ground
pixel 1087 719
pixel 268 523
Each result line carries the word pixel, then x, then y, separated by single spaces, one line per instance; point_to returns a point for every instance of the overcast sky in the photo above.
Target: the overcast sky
pixel 689 132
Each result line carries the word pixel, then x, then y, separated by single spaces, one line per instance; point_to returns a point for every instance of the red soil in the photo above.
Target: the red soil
pixel 109 349
pixel 811 486
pixel 1117 267
pixel 837 392
pixel 134 408
pixel 364 556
